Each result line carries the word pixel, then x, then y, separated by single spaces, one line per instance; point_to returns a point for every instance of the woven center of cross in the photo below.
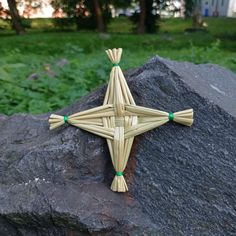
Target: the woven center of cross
pixel 119 120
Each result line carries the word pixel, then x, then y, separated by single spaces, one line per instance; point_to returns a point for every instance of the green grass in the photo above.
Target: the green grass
pixel 43 71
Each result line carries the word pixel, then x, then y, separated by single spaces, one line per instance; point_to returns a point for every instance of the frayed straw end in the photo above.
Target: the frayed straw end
pixel 184 117
pixel 114 54
pixel 119 184
pixel 55 121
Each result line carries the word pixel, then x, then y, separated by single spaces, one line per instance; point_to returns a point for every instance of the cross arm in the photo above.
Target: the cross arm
pixel 149 119
pixel 90 120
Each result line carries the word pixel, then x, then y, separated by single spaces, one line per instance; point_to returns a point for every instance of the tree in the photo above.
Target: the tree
pixel 189 6
pixel 15 17
pixel 147 19
pixel 99 16
pixel 142 17
pixel 192 9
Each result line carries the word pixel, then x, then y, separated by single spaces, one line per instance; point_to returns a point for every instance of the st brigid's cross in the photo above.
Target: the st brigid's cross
pixel 119 120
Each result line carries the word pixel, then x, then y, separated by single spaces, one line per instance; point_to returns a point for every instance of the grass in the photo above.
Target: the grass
pixel 43 71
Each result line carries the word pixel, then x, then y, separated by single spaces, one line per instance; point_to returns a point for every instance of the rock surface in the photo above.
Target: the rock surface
pixel 181 180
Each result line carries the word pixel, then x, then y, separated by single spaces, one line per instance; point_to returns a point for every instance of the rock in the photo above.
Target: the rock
pixel 33 76
pixel 181 180
pixel 63 62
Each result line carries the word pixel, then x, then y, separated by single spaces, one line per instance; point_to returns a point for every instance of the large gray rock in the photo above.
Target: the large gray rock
pixel 181 180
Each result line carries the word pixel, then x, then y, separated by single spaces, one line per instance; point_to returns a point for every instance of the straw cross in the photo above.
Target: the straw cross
pixel 119 120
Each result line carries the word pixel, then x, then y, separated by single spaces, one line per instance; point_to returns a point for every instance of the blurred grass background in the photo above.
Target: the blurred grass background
pixel 50 67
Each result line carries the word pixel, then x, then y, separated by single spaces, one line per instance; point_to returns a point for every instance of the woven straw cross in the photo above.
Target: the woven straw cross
pixel 119 120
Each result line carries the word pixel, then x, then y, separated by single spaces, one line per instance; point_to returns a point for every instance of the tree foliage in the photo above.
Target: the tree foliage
pixel 88 14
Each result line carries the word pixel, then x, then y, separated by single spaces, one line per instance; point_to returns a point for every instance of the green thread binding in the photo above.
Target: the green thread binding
pixel 118 173
pixel 171 116
pixel 66 119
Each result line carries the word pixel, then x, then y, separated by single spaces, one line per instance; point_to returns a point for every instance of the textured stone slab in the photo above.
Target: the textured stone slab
pixel 181 180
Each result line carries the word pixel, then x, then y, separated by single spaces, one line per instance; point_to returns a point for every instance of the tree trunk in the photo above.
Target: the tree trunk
pixel 98 12
pixel 197 21
pixel 142 17
pixel 15 17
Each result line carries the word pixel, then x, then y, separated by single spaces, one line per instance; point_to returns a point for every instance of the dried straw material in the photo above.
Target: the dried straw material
pixel 90 120
pixel 184 117
pixel 118 93
pixel 119 120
